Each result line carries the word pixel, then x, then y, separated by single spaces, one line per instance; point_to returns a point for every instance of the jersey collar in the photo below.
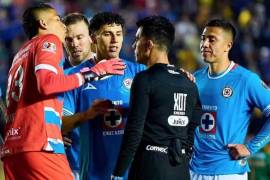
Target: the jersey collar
pixel 222 74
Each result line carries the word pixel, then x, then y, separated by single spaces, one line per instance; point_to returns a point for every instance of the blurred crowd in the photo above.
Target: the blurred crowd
pixel 251 17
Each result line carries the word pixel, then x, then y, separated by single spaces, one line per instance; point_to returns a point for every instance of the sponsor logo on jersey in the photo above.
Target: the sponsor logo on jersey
pixel 180 101
pixel 89 86
pixel 174 120
pixel 127 83
pixel 227 92
pixel 13 133
pixel 112 118
pixel 208 123
pixel 49 47
pixel 113 122
pixel 157 149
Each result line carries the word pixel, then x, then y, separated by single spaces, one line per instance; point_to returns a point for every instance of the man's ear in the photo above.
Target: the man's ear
pixel 42 24
pixel 229 46
pixel 149 44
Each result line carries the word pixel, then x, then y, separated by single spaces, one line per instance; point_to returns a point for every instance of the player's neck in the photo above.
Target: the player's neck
pixel 100 57
pixel 158 57
pixel 76 63
pixel 219 67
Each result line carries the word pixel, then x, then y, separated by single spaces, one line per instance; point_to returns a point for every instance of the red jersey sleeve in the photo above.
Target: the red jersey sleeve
pixel 47 59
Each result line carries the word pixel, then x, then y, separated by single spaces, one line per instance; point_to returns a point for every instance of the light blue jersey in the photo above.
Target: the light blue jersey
pixel 227 102
pixel 100 139
pixel 73 151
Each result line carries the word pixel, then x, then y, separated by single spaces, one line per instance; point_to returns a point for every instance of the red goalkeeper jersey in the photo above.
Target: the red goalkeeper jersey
pixel 34 97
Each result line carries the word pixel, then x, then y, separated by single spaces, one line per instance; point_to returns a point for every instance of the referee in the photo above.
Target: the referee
pixel 164 110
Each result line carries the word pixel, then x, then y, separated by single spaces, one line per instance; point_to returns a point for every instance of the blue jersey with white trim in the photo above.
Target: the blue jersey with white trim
pixel 101 138
pixel 227 102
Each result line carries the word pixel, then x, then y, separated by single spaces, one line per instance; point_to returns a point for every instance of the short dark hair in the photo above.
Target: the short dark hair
pixel 103 18
pixel 225 25
pixel 30 18
pixel 159 29
pixel 73 18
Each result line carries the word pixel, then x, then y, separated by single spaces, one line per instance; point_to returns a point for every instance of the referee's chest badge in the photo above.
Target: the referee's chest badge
pixel 227 92
pixel 127 83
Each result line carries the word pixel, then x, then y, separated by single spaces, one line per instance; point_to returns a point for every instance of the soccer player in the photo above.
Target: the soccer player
pixel 78 47
pixel 33 146
pixel 100 138
pixel 163 109
pixel 228 93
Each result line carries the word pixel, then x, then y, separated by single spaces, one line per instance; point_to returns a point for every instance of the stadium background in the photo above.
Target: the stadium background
pixel 251 49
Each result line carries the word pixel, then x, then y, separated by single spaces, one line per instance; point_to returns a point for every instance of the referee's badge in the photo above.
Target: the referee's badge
pixel 227 92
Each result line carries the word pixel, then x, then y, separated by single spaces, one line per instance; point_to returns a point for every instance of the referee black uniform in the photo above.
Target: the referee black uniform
pixel 164 112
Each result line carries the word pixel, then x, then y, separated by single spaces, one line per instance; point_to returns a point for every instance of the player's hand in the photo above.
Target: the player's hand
pixel 67 141
pixel 97 108
pixel 110 66
pixel 238 151
pixel 103 68
pixel 189 75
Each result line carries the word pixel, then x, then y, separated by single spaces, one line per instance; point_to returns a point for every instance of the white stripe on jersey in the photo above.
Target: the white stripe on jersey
pixel 47 67
pixel 67 112
pixel 55 141
pixel 46 108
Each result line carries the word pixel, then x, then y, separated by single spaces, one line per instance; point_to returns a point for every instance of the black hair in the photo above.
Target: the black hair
pixel 30 18
pixel 74 18
pixel 159 29
pixel 103 18
pixel 225 25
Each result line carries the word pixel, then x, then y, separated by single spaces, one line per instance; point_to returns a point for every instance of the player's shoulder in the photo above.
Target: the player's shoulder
pixel 240 71
pixel 48 42
pixel 201 72
pixel 48 37
pixel 75 69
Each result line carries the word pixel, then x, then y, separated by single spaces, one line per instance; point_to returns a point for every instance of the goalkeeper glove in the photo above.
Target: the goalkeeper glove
pixel 103 68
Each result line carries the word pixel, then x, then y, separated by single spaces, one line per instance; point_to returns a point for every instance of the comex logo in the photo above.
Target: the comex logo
pixel 157 149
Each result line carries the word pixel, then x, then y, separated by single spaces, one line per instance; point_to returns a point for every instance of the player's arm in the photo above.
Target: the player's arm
pixel 194 123
pixel 98 107
pixel 259 95
pixel 50 82
pixel 139 102
pixel 48 54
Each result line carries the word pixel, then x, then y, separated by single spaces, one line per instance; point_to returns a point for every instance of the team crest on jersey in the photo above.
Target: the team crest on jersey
pixel 113 119
pixel 49 47
pixel 227 92
pixel 208 122
pixel 127 83
pixel 242 162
